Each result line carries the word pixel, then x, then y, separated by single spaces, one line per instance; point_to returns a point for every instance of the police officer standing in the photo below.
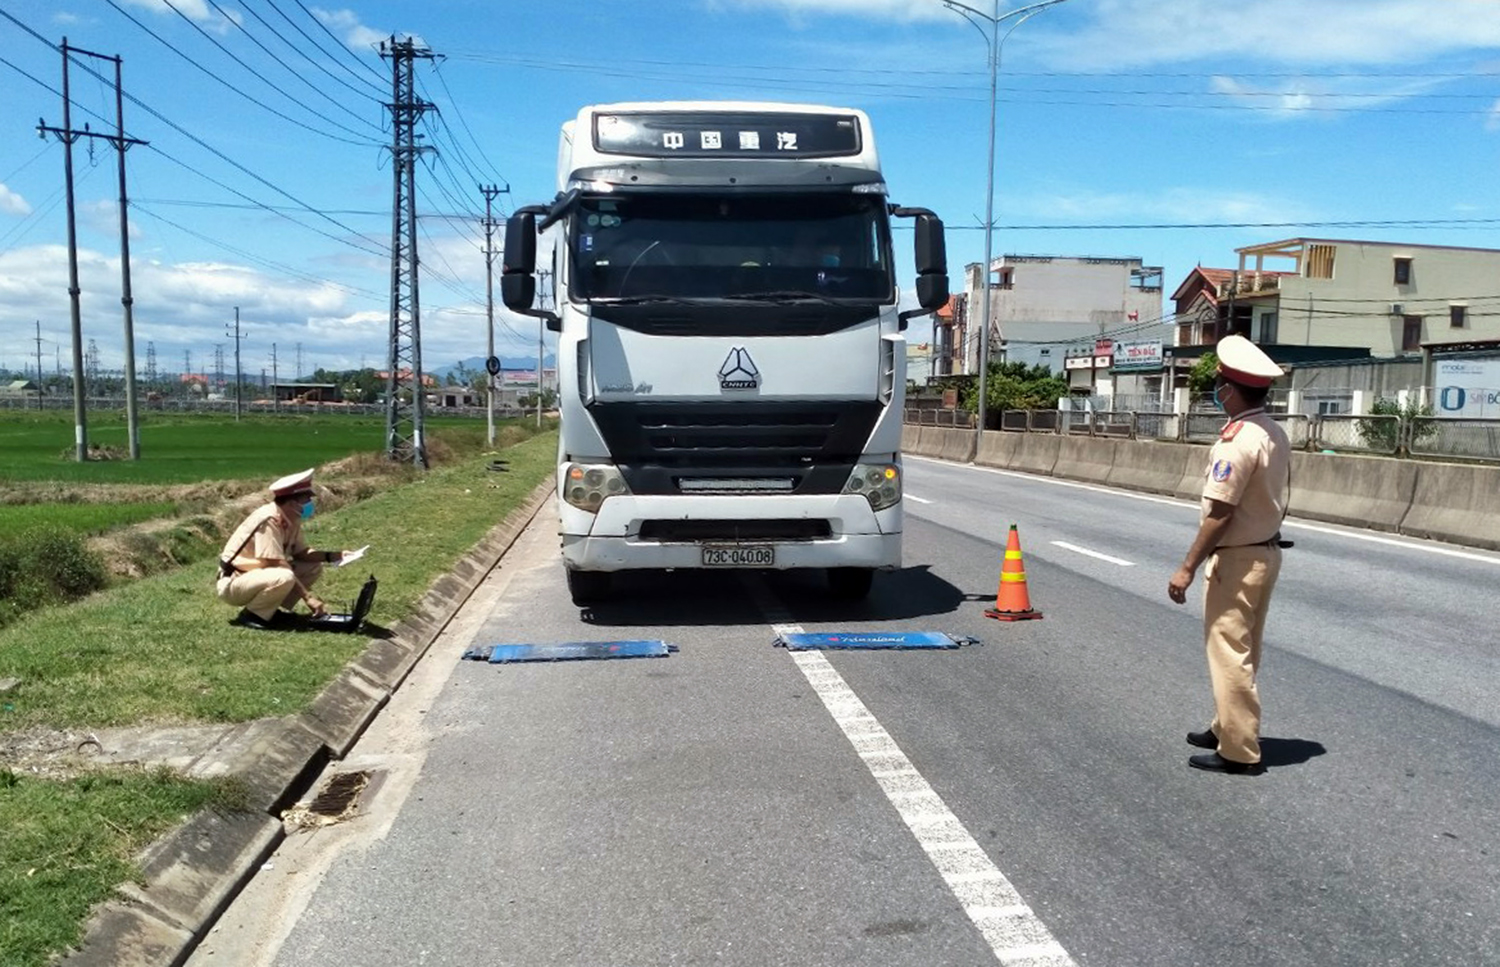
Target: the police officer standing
pixel 1245 492
pixel 266 567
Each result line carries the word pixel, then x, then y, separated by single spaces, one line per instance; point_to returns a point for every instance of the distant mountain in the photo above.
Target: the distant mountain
pixel 476 364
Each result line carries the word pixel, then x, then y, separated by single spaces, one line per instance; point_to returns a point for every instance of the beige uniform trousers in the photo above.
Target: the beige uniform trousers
pixel 265 589
pixel 1236 596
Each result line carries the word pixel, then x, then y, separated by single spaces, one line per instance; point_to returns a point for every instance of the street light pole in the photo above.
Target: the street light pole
pixel 995 42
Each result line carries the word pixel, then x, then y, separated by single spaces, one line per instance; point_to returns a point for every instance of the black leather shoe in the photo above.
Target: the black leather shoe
pixel 1203 740
pixel 1213 762
pixel 280 621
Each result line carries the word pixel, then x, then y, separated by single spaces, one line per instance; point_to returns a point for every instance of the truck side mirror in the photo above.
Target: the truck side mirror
pixel 932 262
pixel 518 266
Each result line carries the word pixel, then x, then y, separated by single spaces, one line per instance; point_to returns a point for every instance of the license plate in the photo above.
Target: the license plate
pixel 739 556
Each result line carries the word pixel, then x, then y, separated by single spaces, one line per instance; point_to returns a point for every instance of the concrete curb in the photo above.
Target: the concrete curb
pixel 193 873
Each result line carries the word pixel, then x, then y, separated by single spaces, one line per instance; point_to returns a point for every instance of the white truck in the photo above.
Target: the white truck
pixel 731 360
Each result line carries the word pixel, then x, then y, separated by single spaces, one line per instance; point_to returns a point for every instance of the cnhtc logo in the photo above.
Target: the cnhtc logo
pixel 738 371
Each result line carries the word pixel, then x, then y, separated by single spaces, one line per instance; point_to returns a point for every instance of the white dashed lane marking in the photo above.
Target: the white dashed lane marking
pixel 1094 554
pixel 1011 928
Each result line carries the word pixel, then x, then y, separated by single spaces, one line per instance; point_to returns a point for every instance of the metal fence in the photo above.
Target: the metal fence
pixel 937 416
pixel 1441 437
pixel 1454 437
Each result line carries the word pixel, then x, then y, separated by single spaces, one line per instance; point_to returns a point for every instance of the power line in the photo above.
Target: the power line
pixel 320 49
pixel 252 38
pixel 340 44
pixel 234 57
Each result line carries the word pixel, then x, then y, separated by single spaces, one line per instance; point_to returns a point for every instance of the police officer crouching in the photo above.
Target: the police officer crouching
pixel 266 567
pixel 1246 488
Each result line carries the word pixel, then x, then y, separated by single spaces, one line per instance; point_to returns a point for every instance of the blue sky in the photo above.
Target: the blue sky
pixel 1277 117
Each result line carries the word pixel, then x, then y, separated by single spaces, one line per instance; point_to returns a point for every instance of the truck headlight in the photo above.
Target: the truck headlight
pixel 880 483
pixel 585 485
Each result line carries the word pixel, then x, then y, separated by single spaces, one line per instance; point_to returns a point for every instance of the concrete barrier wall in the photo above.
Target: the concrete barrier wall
pixel 1447 502
pixel 997 448
pixel 955 445
pixel 1157 468
pixel 910 434
pixel 1084 458
pixel 1194 467
pixel 1455 503
pixel 1035 453
pixel 1358 491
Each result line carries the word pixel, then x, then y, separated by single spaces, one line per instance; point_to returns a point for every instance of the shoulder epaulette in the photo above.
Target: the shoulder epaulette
pixel 1229 432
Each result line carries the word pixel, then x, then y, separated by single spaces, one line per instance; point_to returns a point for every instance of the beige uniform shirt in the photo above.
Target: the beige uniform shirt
pixel 1250 468
pixel 274 538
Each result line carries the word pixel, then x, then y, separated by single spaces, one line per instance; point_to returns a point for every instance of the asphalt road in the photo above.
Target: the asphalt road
pixel 1023 800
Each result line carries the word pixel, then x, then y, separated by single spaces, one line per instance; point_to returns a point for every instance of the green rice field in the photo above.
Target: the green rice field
pixel 84 519
pixel 189 448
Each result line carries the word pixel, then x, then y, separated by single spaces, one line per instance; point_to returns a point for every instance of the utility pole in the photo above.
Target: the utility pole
pixel 39 364
pixel 275 383
pixel 238 379
pixel 91 367
pixel 219 366
pixel 151 362
pixel 121 144
pixel 490 191
pixel 403 422
pixel 187 371
pixel 39 356
pixel 67 136
pixel 546 277
pixel 299 363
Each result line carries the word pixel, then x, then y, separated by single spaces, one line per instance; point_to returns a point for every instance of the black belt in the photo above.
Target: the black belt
pixel 1273 541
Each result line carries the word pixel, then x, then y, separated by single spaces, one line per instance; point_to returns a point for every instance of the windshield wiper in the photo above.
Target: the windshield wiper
pixel 782 296
pixel 638 300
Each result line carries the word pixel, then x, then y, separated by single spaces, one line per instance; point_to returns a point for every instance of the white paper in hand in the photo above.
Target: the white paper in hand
pixel 351 556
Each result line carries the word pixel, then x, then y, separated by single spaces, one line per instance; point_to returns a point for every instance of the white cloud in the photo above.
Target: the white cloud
pixel 1125 33
pixel 1173 205
pixel 1492 122
pixel 356 35
pixel 13 204
pixel 875 9
pixel 197 11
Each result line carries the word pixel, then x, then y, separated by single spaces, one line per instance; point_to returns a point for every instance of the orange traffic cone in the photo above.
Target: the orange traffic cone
pixel 1012 602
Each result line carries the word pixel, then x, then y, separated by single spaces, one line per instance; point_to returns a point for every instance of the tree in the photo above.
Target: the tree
pixel 1205 372
pixel 1017 386
pixel 1386 435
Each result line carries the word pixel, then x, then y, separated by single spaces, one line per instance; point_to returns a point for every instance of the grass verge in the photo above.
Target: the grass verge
pixel 161 651
pixel 68 845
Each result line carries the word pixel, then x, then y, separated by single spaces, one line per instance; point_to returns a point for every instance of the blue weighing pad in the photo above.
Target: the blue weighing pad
pixel 868 640
pixel 570 651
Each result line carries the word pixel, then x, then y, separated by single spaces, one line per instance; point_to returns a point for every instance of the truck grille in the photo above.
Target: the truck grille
pixel 813 444
pixel 734 531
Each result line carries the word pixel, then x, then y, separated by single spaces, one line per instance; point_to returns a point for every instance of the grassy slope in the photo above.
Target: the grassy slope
pixel 160 650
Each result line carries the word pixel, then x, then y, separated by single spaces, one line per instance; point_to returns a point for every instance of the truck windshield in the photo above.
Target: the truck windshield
pixel 744 247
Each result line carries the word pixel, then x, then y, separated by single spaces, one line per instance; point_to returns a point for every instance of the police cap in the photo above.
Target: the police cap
pixel 1242 361
pixel 293 484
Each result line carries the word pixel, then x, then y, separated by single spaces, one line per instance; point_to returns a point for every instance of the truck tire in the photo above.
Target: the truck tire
pixel 850 583
pixel 586 587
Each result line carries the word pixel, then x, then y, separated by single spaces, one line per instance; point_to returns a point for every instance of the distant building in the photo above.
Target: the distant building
pixel 305 392
pixel 1041 305
pixel 1387 297
pixel 1353 321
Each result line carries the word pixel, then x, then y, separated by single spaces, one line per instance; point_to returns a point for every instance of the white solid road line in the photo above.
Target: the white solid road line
pixel 1427 547
pixel 1088 553
pixel 920 500
pixel 1012 929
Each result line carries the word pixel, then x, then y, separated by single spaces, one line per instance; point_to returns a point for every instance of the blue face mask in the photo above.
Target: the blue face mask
pixel 307 510
pixel 1219 400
